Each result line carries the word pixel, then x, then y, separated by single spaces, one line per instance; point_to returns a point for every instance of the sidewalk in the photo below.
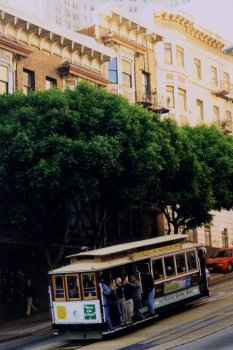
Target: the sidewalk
pixel 14 324
pixel 11 330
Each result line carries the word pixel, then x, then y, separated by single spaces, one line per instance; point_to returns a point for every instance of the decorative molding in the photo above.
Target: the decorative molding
pixel 71 69
pixel 113 38
pixel 10 45
pixel 190 29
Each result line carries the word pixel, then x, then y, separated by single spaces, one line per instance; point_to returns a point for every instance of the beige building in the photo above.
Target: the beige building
pixel 196 77
pixel 132 72
pixel 35 57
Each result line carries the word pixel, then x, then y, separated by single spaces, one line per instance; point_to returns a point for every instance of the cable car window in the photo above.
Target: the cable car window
pixel 72 283
pixel 89 285
pixel 157 267
pixel 180 263
pixel 191 260
pixel 58 288
pixel 169 266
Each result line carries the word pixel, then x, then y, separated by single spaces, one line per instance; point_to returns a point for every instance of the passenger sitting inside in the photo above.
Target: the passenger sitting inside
pixel 157 275
pixel 169 271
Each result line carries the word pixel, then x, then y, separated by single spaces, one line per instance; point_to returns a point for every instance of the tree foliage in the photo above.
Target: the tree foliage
pixel 88 147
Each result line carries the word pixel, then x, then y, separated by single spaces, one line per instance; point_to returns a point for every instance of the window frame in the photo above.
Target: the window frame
pixel 168 53
pixel 226 81
pixel 28 88
pixel 54 288
pixel 90 297
pixel 214 76
pixel 126 74
pixel 114 69
pixel 197 68
pixel 200 108
pixel 5 82
pixel 78 284
pixel 146 84
pixel 51 80
pixel 182 92
pixel 180 56
pixel 172 92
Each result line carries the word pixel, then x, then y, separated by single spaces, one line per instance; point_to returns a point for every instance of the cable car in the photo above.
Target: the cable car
pixel 76 290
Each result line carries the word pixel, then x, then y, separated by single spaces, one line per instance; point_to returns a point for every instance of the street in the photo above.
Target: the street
pixel 204 324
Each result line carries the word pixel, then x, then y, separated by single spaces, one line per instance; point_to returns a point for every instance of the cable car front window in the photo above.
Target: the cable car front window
pixel 72 282
pixel 89 285
pixel 58 288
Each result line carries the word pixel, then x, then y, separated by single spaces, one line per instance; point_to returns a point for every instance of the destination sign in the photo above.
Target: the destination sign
pixel 154 251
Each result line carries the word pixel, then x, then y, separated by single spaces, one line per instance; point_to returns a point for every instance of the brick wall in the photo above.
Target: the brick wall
pixel 43 64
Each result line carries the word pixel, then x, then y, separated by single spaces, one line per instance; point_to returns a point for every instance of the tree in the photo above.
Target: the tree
pixel 214 151
pixel 78 147
pixel 186 195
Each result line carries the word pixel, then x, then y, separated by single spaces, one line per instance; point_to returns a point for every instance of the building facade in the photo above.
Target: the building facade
pixel 196 77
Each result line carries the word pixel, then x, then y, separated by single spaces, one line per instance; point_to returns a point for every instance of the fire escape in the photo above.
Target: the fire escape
pixel 152 101
pixel 225 91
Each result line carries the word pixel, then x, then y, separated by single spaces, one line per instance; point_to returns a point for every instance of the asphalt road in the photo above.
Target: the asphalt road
pixel 204 324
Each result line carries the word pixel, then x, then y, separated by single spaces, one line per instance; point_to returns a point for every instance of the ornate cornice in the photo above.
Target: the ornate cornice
pixel 114 38
pixel 69 68
pixel 191 29
pixel 12 46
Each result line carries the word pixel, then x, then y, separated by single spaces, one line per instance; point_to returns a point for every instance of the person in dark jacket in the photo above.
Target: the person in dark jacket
pixel 148 290
pixel 203 280
pixel 113 307
pixel 120 299
pixel 128 294
pixel 30 293
pixel 136 296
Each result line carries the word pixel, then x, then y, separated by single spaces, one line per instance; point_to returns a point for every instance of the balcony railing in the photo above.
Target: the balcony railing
pixel 223 89
pixel 152 101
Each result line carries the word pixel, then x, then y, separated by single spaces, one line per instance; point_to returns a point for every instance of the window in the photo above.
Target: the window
pixel 200 111
pixel 112 71
pixel 146 92
pixel 197 68
pixel 50 83
pixel 28 81
pixel 3 80
pixel 226 81
pixel 157 266
pixel 73 289
pixel 214 80
pixel 168 53
pixel 89 286
pixel 224 238
pixel 207 236
pixel 216 115
pixel 169 266
pixel 58 287
pixel 182 99
pixel 180 56
pixel 126 73
pixel 170 96
pixel 180 263
pixel 191 260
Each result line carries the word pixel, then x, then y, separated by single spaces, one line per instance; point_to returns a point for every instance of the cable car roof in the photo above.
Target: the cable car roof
pixel 131 246
pixel 99 259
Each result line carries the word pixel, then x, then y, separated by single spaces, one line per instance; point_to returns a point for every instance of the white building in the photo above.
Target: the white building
pixel 196 77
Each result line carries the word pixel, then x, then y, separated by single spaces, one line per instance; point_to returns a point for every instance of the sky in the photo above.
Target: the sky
pixel 214 15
